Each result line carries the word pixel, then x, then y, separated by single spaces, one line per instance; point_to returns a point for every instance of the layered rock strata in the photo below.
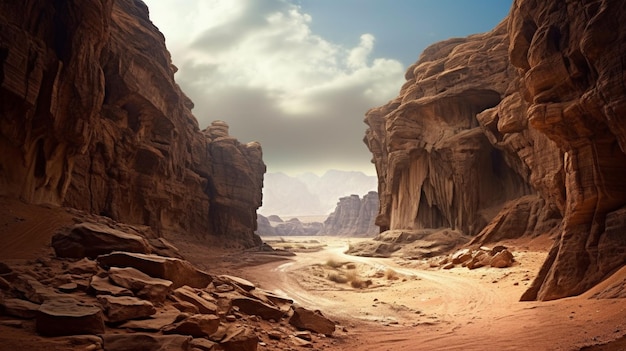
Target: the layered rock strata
pixel 92 118
pixel 524 124
pixel 353 216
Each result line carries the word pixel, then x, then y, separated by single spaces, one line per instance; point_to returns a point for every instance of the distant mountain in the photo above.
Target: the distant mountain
pixel 309 194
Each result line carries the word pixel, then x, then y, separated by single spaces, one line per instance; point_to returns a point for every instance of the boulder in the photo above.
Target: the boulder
pixel 92 240
pixel 19 308
pixel 313 321
pixel 257 308
pixel 145 342
pixel 178 271
pixel 67 316
pixel 122 308
pixel 239 338
pixel 203 344
pixel 189 295
pixel 461 256
pixel 141 284
pixel 197 325
pixel 502 259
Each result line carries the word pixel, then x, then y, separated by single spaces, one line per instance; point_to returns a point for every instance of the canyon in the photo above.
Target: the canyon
pixel 511 136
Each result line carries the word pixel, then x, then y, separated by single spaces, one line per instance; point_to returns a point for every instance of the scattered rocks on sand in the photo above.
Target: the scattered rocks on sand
pixel 130 301
pixel 498 257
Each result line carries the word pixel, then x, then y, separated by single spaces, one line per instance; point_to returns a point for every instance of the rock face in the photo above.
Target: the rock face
pixel 526 120
pixel 353 216
pixel 436 167
pixel 92 118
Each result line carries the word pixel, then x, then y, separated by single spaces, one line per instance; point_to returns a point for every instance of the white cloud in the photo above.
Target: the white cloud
pixel 267 47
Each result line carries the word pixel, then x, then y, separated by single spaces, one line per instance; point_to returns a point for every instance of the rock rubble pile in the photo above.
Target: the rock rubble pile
pixel 117 300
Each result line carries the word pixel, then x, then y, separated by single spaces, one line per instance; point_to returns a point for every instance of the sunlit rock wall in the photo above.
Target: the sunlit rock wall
pixel 570 60
pixel 91 117
pixel 522 127
pixel 436 166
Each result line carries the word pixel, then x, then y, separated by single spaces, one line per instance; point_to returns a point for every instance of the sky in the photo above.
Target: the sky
pixel 298 76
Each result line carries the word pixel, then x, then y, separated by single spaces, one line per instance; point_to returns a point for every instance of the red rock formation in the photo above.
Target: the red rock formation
pixel 569 56
pixel 91 117
pixel 436 167
pixel 536 107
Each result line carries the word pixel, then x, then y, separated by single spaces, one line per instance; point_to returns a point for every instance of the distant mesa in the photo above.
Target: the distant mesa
pixel 352 216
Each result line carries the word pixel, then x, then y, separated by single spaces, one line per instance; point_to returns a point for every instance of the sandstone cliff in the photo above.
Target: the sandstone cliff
pixel 353 216
pixel 522 125
pixel 91 118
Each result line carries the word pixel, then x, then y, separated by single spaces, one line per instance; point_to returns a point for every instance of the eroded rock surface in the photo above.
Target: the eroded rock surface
pixel 92 118
pixel 519 131
pixel 353 216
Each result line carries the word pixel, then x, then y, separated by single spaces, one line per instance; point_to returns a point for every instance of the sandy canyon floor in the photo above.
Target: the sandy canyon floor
pixel 395 304
pixel 411 306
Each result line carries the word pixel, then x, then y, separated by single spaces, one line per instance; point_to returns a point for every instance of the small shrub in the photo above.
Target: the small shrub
pixel 390 274
pixel 337 278
pixel 360 284
pixel 333 264
pixel 352 275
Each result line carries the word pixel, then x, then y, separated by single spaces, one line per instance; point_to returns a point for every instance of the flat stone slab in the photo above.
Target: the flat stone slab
pixel 58 317
pixel 141 284
pixel 163 316
pixel 179 272
pixel 103 286
pixel 122 308
pixel 20 308
pixel 257 308
pixel 313 321
pixel 92 240
pixel 188 294
pixel 197 325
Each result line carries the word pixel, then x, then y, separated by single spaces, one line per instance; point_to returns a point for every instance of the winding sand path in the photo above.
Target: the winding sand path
pixel 454 309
